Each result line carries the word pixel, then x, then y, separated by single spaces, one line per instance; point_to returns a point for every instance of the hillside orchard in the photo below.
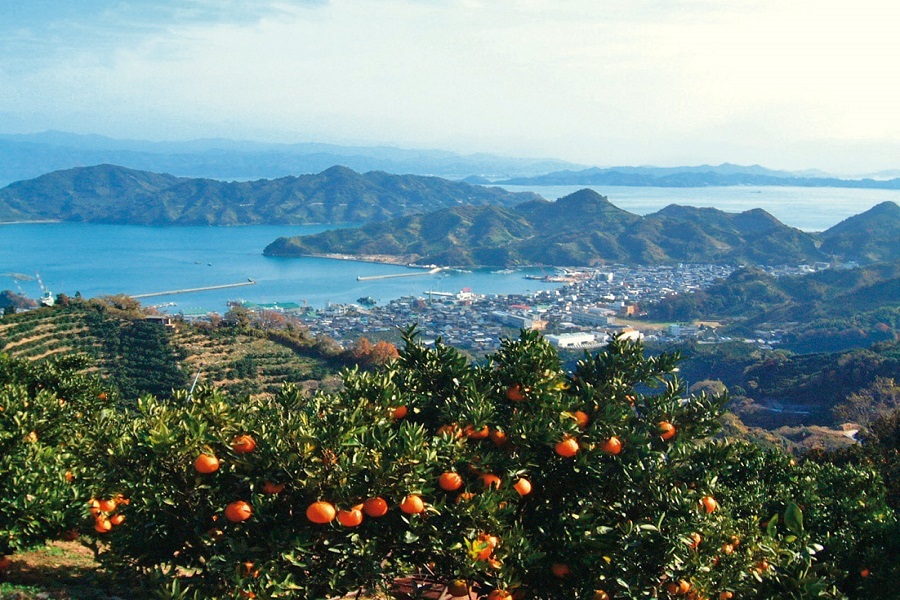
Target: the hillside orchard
pixel 509 479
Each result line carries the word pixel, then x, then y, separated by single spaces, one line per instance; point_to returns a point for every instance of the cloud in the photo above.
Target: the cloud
pixel 591 81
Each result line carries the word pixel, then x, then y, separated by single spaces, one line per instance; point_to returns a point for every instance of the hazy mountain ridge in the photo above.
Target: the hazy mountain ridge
pixel 28 156
pixel 113 194
pixel 583 229
pixel 725 174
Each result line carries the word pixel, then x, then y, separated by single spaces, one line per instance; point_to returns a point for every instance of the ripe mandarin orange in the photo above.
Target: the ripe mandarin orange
pixel 412 504
pixel 243 444
pixel 450 481
pixel 375 507
pixel 321 512
pixel 206 463
pixel 567 447
pixel 238 511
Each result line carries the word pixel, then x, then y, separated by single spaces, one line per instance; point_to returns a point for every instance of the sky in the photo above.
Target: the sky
pixel 788 84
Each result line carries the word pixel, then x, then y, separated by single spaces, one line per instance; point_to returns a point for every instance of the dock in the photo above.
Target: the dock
pixel 197 289
pixel 393 275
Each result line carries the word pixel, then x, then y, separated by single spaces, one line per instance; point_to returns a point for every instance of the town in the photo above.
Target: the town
pixel 593 305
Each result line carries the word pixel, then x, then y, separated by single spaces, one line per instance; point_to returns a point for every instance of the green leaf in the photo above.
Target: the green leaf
pixel 772 527
pixel 793 519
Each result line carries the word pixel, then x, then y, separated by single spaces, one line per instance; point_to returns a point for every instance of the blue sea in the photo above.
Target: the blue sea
pixel 107 259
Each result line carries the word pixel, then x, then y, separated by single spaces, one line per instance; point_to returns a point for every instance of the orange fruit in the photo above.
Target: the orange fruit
pixel 727 548
pixel 457 588
pixel 464 497
pixel 488 480
pixel 412 505
pixel 102 525
pixel 243 444
pixel 117 519
pixel 696 538
pixel 399 412
pixel 726 595
pixel 321 512
pixel 375 507
pixel 238 511
pixel 567 447
pixel 514 393
pixel 206 463
pixel 523 486
pixel 581 418
pixel 864 572
pixel 666 430
pixel 107 505
pixel 69 477
pixel 499 595
pixel 708 504
pixel 684 586
pixel 672 588
pixel 350 518
pixel 498 437
pixel 272 488
pixel 5 563
pixel 94 506
pixel 450 481
pixel 476 434
pixel 763 565
pixel 600 595
pixel 560 570
pixel 451 429
pixel 102 395
pixel 611 446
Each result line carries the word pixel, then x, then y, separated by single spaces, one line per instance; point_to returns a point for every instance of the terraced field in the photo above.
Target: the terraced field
pixel 140 356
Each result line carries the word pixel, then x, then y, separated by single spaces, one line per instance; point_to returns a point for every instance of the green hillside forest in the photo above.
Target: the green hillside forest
pixel 113 194
pixel 584 229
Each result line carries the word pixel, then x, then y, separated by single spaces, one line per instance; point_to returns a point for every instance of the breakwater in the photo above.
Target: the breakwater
pixel 395 275
pixel 196 289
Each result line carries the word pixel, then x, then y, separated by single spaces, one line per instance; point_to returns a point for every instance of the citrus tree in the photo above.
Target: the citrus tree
pixel 509 478
pixel 42 475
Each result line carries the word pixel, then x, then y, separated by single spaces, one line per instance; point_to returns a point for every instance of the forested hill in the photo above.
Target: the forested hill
pixel 113 194
pixel 828 311
pixel 584 228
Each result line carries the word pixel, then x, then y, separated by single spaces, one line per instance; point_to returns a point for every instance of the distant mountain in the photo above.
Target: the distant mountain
pixel 701 176
pixel 32 155
pixel 113 194
pixel 583 228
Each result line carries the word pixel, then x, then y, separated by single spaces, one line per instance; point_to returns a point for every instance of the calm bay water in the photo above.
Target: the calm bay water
pixel 107 259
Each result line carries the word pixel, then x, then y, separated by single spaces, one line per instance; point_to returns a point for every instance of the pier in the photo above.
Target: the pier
pixel 197 289
pixel 391 276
